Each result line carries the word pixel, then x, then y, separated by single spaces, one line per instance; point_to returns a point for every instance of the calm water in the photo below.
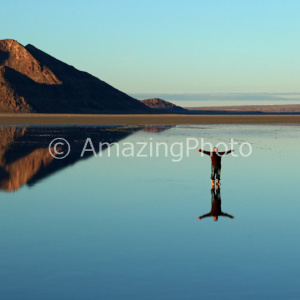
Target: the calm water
pixel 116 227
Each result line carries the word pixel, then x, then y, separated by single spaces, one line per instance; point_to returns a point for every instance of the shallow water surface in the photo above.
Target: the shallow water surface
pixel 111 224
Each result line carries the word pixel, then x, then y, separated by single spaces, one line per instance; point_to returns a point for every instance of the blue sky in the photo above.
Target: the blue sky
pixel 167 46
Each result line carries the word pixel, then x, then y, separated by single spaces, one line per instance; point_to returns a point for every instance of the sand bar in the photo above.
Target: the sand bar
pixel 70 119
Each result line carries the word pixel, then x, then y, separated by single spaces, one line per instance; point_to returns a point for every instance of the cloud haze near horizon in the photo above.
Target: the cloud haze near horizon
pixel 219 96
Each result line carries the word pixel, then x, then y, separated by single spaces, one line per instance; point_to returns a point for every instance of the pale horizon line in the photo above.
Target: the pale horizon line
pixel 220 96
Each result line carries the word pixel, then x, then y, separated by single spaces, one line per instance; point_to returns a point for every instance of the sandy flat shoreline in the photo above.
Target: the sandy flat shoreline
pixel 71 119
pixel 254 109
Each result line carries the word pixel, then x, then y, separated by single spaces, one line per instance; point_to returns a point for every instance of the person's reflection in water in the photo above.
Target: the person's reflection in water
pixel 216 210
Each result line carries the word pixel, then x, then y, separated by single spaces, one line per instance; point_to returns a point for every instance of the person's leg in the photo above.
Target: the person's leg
pixel 212 191
pixel 218 175
pixel 212 177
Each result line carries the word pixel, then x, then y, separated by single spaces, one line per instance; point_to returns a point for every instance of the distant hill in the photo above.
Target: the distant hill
pixel 33 81
pixel 161 104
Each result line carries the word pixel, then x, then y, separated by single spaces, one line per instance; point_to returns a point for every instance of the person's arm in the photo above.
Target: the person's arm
pixel 203 151
pixel 227 215
pixel 204 216
pixel 226 152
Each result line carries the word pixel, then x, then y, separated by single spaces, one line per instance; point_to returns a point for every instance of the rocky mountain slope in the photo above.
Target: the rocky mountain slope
pixel 33 81
pixel 161 104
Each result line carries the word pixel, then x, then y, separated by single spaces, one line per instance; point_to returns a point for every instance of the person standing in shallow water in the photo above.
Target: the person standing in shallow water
pixel 215 164
pixel 216 209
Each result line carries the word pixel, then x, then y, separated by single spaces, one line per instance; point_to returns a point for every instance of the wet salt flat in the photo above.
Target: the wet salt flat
pixel 111 225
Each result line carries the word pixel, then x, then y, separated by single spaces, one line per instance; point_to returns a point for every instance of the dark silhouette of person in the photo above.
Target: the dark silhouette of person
pixel 215 164
pixel 216 210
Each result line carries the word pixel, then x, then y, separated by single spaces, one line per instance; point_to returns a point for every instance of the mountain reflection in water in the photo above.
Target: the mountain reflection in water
pixel 25 156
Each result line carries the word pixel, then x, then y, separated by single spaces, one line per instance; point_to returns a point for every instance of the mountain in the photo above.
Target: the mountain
pixel 33 81
pixel 161 104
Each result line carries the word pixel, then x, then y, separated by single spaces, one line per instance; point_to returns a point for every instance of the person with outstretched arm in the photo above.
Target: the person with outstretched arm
pixel 215 164
pixel 216 209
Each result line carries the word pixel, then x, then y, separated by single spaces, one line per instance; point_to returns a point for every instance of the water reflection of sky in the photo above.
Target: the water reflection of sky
pixel 127 228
